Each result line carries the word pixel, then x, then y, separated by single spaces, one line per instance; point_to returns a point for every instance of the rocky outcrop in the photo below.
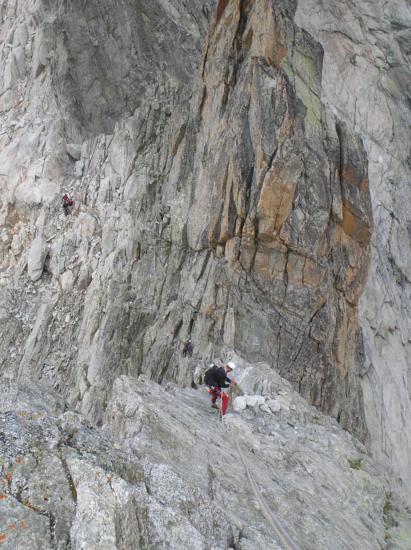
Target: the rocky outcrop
pixel 366 78
pixel 89 113
pixel 131 484
pixel 281 198
pixel 219 194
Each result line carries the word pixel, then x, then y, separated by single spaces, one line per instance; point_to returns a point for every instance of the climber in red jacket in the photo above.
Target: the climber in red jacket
pixel 68 204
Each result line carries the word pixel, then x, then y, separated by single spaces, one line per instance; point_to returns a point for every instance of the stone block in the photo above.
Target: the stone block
pixel 36 258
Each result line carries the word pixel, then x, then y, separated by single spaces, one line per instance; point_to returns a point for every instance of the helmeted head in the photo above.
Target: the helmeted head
pixel 230 366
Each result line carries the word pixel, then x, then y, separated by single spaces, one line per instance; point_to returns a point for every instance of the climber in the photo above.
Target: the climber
pixel 67 204
pixel 216 379
pixel 188 348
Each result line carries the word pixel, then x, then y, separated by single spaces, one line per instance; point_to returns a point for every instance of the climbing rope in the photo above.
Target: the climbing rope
pixel 280 531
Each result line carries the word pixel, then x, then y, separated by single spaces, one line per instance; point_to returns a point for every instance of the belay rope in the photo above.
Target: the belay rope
pixel 278 528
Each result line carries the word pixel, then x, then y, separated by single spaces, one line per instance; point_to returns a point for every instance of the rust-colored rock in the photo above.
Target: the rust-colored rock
pixel 277 196
pixel 353 224
pixel 288 198
pixel 221 6
pixel 269 38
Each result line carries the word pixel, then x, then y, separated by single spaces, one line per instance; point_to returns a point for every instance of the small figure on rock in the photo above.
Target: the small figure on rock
pixel 216 379
pixel 68 204
pixel 188 348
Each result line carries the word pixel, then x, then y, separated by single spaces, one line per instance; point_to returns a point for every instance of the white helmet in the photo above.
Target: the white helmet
pixel 231 365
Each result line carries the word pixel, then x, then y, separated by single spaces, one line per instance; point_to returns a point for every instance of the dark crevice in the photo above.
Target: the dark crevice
pixel 315 313
pixel 147 487
pixel 279 347
pixel 202 102
pixel 70 481
pixel 300 382
pixel 339 130
pixel 248 186
pixel 285 274
pixel 294 359
pixel 269 165
pixel 236 56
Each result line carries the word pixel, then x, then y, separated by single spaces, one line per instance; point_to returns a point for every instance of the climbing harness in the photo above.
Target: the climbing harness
pixel 280 531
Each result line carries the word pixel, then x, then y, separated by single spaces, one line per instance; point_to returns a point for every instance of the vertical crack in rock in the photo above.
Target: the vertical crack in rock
pixel 70 480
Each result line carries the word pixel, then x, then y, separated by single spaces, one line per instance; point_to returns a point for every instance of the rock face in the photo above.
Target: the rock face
pixel 90 97
pixel 225 188
pixel 132 484
pixel 281 198
pixel 366 81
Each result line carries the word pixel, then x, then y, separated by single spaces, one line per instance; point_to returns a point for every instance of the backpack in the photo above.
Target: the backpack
pixel 209 377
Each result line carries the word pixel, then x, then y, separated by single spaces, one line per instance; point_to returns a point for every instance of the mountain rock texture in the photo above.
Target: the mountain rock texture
pixel 366 82
pixel 131 483
pixel 240 175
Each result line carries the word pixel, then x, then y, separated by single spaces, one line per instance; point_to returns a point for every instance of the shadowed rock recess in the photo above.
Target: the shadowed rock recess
pixel 240 175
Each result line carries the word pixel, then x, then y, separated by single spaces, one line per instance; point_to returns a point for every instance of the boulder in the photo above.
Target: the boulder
pixel 254 401
pixel 274 405
pixel 36 258
pixel 240 403
pixel 74 150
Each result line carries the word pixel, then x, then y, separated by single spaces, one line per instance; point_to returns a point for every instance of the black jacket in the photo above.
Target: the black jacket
pixel 216 376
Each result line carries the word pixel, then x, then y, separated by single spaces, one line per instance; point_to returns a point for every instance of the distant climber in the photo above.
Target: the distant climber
pixel 68 204
pixel 216 379
pixel 188 348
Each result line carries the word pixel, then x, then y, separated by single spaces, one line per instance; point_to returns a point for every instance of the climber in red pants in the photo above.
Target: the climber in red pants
pixel 216 379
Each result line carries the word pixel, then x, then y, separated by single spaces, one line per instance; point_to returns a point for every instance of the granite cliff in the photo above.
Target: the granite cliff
pixel 240 171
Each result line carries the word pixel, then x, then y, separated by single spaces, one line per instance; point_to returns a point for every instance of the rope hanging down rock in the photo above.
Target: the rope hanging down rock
pixel 280 531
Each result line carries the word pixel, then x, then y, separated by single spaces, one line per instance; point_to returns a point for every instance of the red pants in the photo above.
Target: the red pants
pixel 215 393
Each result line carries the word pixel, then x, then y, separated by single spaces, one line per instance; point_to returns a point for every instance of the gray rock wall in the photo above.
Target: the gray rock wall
pixel 366 81
pixel 221 173
pixel 90 114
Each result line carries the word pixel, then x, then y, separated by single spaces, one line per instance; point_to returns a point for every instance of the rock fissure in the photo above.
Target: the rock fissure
pixel 70 481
